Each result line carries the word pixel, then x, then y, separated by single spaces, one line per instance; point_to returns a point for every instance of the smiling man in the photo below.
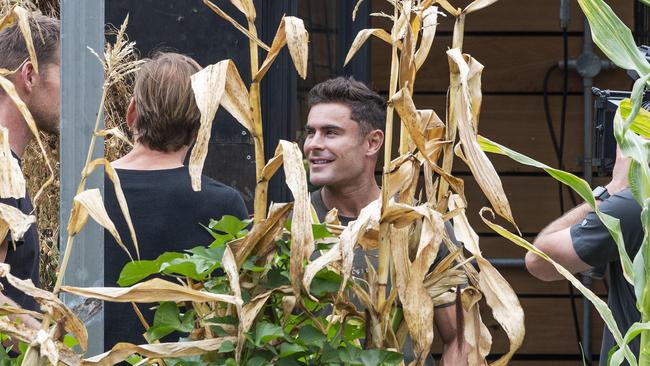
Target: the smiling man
pixel 344 135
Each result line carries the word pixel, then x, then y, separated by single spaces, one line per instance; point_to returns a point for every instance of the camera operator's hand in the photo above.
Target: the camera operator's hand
pixel 620 174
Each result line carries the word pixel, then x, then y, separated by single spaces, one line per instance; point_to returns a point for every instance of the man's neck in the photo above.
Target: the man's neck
pixel 143 158
pixel 349 200
pixel 19 133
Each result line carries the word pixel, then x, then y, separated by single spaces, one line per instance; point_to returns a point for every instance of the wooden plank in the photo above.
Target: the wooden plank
pixel 518 122
pixel 512 65
pixel 515 16
pixel 549 328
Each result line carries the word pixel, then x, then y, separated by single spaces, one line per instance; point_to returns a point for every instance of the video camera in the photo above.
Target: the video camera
pixel 605 106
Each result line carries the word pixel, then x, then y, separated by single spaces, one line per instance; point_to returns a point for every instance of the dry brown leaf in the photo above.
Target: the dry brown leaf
pixel 218 84
pixel 12 219
pixel 302 238
pixel 239 27
pixel 407 67
pixel 361 39
pixel 10 89
pixel 476 334
pixel 90 202
pixel 119 194
pixel 263 234
pixel 154 290
pixel 498 293
pixel 291 32
pixel 12 182
pixel 50 304
pixel 478 5
pixel 8 19
pixel 449 8
pixel 481 167
pixel 230 267
pixel 122 351
pixel 404 175
pixel 115 132
pixel 23 22
pixel 429 25
pixel 245 6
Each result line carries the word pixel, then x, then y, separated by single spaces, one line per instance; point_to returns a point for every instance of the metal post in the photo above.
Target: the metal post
pixel 82 26
pixel 588 136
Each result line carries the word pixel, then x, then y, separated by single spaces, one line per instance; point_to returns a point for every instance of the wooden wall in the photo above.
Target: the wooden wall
pixel 517 41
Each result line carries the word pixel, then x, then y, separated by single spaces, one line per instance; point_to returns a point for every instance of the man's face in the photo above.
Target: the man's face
pixel 334 147
pixel 46 99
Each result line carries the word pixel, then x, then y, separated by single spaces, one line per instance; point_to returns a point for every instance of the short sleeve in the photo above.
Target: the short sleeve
pixel 592 241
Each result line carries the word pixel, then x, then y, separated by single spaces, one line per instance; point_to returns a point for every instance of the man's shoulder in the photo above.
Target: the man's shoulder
pixel 215 187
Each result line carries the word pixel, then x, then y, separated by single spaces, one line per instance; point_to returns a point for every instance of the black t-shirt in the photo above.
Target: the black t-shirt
pixel 24 260
pixel 596 247
pixel 166 215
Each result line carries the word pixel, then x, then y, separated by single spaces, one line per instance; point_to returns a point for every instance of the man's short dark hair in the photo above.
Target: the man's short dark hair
pixel 45 36
pixel 366 106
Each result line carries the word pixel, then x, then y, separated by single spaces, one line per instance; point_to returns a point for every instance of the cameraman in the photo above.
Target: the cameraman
pixel 578 241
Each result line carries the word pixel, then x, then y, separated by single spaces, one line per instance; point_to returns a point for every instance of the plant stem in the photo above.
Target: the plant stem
pixel 261 187
pixel 384 228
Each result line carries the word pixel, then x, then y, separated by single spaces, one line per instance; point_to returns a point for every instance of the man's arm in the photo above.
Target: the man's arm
pixel 555 240
pixel 454 348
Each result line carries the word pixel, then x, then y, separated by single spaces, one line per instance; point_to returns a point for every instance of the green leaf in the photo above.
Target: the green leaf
pixel 613 37
pixel 375 357
pixel 320 231
pixel 636 329
pixel 350 354
pixel 136 271
pixel 134 359
pixel 227 346
pixel 266 332
pixel 168 320
pixel 641 123
pixel 70 341
pixel 324 282
pixel 288 349
pixel 229 225
pixel 310 336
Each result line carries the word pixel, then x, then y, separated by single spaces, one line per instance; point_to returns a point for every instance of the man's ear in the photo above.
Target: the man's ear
pixel 131 114
pixel 375 141
pixel 26 78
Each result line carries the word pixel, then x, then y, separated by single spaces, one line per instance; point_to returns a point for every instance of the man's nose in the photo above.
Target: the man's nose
pixel 315 142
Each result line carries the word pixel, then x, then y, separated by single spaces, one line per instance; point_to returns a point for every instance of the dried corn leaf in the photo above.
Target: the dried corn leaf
pixel 122 351
pixel 17 331
pixel 478 5
pixel 429 25
pixel 404 174
pixel 14 221
pixel 90 202
pixel 218 84
pixel 154 290
pixel 115 132
pixel 230 267
pixel 23 22
pixel 12 182
pixel 241 28
pixel 119 194
pixel 449 8
pixel 50 304
pixel 262 234
pixel 245 6
pixel 481 167
pixel 8 19
pixel 498 293
pixel 361 39
pixel 302 238
pixel 291 32
pixel 46 346
pixel 476 333
pixel 10 89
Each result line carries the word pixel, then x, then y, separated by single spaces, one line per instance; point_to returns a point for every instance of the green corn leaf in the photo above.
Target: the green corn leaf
pixel 633 332
pixel 581 187
pixel 613 37
pixel 641 123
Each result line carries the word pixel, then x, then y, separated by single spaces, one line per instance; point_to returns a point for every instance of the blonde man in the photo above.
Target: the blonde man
pixel 167 214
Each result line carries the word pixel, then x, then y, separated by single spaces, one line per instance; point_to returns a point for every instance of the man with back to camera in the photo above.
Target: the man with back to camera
pixel 40 93
pixel 344 134
pixel 579 241
pixel 165 211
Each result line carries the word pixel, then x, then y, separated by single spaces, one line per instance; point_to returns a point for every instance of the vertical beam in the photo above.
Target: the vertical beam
pixel 82 26
pixel 279 92
pixel 347 30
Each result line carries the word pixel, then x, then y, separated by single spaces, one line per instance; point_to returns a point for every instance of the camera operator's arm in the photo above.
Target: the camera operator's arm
pixel 556 241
